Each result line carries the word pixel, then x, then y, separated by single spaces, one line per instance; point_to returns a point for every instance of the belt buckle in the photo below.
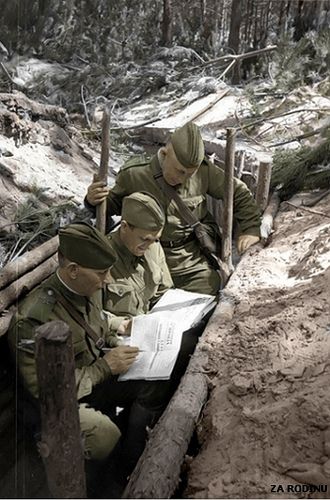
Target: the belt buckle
pixel 100 343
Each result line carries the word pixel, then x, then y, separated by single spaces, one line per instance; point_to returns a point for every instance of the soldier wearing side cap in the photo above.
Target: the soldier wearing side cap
pixel 73 294
pixel 140 274
pixel 184 166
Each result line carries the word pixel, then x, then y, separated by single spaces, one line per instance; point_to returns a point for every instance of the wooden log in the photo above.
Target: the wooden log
pixel 25 283
pixel 61 445
pixel 101 209
pixel 264 176
pixel 29 260
pixel 37 110
pixel 158 470
pixel 227 229
pixel 268 217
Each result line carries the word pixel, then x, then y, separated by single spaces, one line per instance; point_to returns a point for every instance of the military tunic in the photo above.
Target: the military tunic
pixel 188 266
pixel 137 282
pixel 95 382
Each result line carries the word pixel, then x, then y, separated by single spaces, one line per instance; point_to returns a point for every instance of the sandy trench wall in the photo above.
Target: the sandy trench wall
pixel 270 367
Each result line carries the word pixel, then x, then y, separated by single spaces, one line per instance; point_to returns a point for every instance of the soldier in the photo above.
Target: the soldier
pixel 73 295
pixel 183 165
pixel 140 274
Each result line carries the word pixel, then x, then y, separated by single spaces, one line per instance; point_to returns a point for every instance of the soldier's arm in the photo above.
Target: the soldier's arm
pixel 21 336
pixel 246 211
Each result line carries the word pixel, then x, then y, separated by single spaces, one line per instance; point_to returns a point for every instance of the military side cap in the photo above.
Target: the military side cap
pixel 143 211
pixel 85 245
pixel 188 145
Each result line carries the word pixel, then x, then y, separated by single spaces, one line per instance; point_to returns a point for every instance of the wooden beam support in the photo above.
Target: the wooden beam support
pixel 263 183
pixel 61 444
pixel 101 209
pixel 226 251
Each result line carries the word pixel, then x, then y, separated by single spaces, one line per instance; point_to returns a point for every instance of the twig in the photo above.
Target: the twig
pixel 6 71
pixel 298 137
pixel 307 209
pixel 85 108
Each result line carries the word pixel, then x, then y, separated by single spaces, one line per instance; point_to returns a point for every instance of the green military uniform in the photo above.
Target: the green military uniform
pixel 188 266
pixel 137 282
pixel 98 391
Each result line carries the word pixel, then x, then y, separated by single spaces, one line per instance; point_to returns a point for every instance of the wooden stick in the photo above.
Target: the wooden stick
pixel 13 270
pixel 264 176
pixel 226 250
pixel 27 282
pixel 101 209
pixel 61 444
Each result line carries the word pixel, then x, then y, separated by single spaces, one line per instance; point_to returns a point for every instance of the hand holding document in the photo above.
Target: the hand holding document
pixel 158 334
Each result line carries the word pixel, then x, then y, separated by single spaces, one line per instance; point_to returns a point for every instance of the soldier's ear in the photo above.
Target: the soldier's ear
pixel 73 270
pixel 163 151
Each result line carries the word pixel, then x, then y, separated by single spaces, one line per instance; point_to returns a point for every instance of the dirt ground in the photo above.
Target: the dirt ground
pixel 269 367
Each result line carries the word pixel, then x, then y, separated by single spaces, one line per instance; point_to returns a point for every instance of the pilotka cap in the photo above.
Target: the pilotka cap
pixel 85 245
pixel 143 211
pixel 188 145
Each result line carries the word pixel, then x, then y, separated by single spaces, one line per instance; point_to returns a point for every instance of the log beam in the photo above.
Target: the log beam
pixel 29 260
pixel 61 444
pixel 25 283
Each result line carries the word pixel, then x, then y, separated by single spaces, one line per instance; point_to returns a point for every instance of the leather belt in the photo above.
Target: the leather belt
pixel 178 243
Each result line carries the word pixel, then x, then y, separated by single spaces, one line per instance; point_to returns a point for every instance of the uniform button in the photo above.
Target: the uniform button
pixel 50 292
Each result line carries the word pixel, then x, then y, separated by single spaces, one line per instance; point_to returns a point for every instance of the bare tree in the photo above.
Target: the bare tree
pixel 167 23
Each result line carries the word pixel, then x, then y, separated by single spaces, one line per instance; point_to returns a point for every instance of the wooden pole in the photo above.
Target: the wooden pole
pixel 29 260
pixel 264 176
pixel 101 209
pixel 226 251
pixel 61 444
pixel 25 283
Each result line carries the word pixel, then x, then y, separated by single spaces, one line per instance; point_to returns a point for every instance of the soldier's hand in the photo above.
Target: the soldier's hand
pixel 120 358
pixel 308 473
pixel 96 192
pixel 125 327
pixel 245 241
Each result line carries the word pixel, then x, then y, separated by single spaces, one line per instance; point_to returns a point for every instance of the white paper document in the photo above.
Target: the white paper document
pixel 158 334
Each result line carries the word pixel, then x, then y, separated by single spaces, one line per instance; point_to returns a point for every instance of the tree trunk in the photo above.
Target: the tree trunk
pixel 228 200
pixel 264 176
pixel 234 35
pixel 61 444
pixel 167 23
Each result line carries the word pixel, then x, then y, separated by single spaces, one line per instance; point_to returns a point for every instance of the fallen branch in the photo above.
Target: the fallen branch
pixel 239 57
pixel 312 203
pixel 298 207
pixel 299 137
pixel 29 260
pixel 27 282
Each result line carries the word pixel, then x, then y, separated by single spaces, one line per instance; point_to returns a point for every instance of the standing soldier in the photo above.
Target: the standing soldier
pixel 182 165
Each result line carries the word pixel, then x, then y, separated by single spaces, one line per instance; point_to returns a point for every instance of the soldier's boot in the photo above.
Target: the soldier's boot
pixel 134 441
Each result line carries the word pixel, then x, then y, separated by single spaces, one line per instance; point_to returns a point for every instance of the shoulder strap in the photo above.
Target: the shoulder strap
pixel 206 244
pixel 171 193
pixel 99 341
